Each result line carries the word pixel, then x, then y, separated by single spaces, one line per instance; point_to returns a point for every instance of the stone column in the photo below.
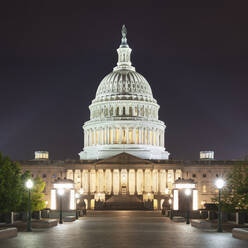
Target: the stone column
pixel 157 138
pixel 90 142
pixel 95 138
pixel 127 135
pixel 102 131
pixel 144 181
pixel 127 182
pixel 134 135
pixel 120 189
pixel 154 136
pixel 120 135
pixel 112 183
pixel 166 183
pixel 135 183
pixel 148 137
pixel 81 177
pixel 174 176
pixel 73 176
pixel 107 136
pixel 104 135
pixel 163 138
pixel 159 181
pixel 112 136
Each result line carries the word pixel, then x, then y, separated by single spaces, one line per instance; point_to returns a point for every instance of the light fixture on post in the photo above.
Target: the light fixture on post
pixel 219 184
pixel 61 192
pixel 64 188
pixel 29 185
pixel 187 193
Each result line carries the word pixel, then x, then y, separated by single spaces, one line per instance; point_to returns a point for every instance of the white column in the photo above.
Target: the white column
pixel 107 136
pixel 127 135
pixel 112 136
pixel 148 136
pixel 154 136
pixel 166 176
pixel 102 135
pixel 140 136
pixel 134 135
pixel 120 135
pixel 85 138
pixel 95 136
pixel 163 138
pixel 157 138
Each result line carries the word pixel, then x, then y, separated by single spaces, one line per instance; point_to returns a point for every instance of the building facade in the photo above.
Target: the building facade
pixel 124 162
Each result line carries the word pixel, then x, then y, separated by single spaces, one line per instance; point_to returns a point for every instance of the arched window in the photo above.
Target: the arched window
pixel 124 111
pixel 117 111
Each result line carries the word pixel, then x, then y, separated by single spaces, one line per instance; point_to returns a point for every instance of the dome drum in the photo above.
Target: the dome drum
pixel 124 109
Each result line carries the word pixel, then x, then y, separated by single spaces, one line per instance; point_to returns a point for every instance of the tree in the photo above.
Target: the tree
pixel 37 195
pixel 235 193
pixel 10 185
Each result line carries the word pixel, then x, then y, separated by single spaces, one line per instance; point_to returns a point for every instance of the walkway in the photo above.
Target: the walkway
pixel 119 229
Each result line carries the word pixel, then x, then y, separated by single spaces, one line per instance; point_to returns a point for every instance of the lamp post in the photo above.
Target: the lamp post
pixel 187 193
pixel 61 193
pixel 29 185
pixel 219 184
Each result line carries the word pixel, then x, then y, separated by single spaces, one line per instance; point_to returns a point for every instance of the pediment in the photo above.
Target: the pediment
pixel 124 158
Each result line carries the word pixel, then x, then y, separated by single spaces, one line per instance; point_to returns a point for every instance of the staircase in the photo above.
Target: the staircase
pixel 124 202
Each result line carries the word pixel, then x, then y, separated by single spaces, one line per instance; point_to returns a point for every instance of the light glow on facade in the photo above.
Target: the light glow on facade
pixel 185 186
pixel 72 199
pixel 176 200
pixel 195 199
pixel 63 185
pixel 53 199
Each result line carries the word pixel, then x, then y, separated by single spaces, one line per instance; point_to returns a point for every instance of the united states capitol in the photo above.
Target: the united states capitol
pixel 124 163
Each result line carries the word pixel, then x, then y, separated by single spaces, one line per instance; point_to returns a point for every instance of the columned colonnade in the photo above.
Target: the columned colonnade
pixel 123 135
pixel 124 181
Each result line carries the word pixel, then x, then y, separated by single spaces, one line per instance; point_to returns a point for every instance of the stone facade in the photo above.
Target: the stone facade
pixel 125 174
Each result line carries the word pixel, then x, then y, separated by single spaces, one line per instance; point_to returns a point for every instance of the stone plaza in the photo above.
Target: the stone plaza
pixel 123 229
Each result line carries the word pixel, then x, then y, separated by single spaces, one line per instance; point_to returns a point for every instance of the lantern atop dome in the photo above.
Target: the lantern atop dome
pixel 124 53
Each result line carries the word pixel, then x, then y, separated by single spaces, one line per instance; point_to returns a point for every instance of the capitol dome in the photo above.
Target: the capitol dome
pixel 124 84
pixel 124 114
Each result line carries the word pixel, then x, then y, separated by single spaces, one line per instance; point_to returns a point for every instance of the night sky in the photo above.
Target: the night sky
pixel 54 54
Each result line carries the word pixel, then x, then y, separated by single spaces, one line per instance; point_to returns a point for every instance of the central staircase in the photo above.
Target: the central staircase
pixel 124 202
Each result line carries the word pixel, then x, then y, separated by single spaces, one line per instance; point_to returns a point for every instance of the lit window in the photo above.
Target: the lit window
pixel 204 188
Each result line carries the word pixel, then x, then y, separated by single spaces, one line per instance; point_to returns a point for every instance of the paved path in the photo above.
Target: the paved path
pixel 123 229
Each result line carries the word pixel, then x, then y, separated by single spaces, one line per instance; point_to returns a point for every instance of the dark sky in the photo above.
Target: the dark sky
pixel 53 55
